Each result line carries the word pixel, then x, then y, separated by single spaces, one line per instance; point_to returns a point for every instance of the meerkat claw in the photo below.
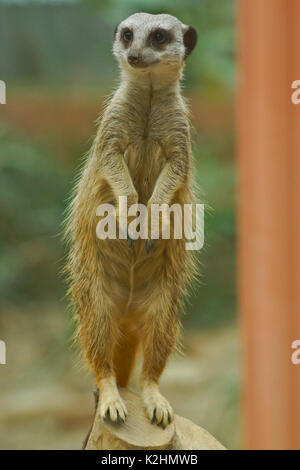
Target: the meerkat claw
pixel 119 419
pixel 130 241
pixel 153 416
pixel 106 417
pixel 149 244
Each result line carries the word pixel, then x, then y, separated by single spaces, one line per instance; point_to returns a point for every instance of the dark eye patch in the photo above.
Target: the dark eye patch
pixel 159 38
pixel 126 36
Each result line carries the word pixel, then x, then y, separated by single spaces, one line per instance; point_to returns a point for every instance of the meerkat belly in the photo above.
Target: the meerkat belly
pixel 131 272
pixel 145 159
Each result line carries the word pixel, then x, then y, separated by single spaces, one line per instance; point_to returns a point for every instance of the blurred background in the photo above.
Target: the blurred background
pixel 56 60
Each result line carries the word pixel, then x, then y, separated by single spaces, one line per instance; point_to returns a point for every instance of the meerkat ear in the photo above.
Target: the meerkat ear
pixel 115 31
pixel 190 37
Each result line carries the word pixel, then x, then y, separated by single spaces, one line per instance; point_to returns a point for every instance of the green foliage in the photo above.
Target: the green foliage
pixel 213 299
pixel 80 50
pixel 32 190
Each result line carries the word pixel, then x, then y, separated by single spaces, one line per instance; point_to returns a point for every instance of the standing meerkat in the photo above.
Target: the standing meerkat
pixel 128 294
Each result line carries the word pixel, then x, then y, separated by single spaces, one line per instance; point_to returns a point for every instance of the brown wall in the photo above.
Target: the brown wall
pixel 268 37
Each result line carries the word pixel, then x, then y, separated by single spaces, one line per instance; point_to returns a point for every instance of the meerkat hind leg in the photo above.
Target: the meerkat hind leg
pixel 158 337
pixel 111 404
pixel 103 335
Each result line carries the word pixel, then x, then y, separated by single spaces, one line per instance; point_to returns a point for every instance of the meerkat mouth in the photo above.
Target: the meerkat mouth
pixel 144 65
pixel 139 66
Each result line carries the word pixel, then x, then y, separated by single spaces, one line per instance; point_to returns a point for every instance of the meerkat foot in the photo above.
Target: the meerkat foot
pixel 158 409
pixel 114 410
pixel 112 407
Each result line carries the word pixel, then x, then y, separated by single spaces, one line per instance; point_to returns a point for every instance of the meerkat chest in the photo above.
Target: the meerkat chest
pixel 145 159
pixel 147 125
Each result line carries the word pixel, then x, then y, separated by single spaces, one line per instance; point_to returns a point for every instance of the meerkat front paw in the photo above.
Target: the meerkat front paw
pixel 113 410
pixel 158 409
pixel 112 407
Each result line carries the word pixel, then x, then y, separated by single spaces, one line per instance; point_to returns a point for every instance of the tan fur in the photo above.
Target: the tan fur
pixel 123 296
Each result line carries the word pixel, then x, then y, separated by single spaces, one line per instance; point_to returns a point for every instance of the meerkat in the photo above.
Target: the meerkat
pixel 127 295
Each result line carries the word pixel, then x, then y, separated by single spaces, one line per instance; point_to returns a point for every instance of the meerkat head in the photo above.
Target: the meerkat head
pixel 144 41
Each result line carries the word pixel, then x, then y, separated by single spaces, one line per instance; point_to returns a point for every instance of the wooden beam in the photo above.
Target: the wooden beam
pixel 268 128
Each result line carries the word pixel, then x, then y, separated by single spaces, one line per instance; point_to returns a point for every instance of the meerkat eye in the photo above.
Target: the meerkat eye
pixel 127 35
pixel 159 36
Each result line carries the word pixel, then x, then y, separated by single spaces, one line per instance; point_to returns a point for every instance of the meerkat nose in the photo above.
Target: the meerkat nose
pixel 134 59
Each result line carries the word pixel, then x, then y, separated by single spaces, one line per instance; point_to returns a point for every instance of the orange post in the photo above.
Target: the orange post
pixel 268 39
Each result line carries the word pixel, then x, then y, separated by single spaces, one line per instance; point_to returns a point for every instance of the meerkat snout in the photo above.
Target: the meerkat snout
pixel 144 40
pixel 134 59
